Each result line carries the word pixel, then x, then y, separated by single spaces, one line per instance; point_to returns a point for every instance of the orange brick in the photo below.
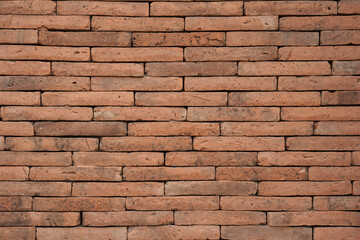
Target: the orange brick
pixel 16 129
pixel 340 98
pixel 230 53
pixel 210 188
pixel 233 114
pixel 323 143
pixel 334 173
pixel 182 39
pixel 347 203
pixel 210 158
pixel 283 68
pixel 19 98
pixel 46 113
pixel 51 144
pixel 346 67
pixel 24 67
pixel 266 128
pixel 35 188
pixel 139 24
pixel 27 7
pixel 348 233
pixel 181 99
pixel 17 232
pixel 304 159
pixel 15 173
pixel 103 8
pixel 2 143
pixel 172 203
pixel 356 188
pixel 305 188
pixel 196 8
pixel 148 54
pixel 274 99
pixel 117 159
pixel 79 204
pixel 266 203
pixel 319 23
pixel 320 113
pixel 81 233
pixel 118 189
pixel 168 173
pixel 231 23
pixel 349 7
pixel 140 114
pixel 269 8
pixel 11 204
pixel 128 218
pixel 35 158
pixel 98 69
pixel 339 37
pixel 238 143
pixel 356 158
pixel 337 128
pixel 126 144
pixel 191 69
pixel 219 218
pixel 19 36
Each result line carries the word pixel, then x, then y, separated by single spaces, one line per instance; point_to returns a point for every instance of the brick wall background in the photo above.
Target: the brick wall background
pixel 180 120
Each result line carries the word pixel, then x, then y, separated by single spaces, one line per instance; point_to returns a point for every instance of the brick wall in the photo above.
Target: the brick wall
pixel 180 120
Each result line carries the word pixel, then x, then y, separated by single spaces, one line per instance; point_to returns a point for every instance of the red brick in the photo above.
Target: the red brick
pixel 80 128
pixel 35 158
pixel 46 113
pixel 128 218
pixel 118 189
pixel 304 159
pixel 139 24
pixel 51 144
pixel 49 22
pixel 168 173
pixel 356 158
pixel 314 218
pixel 196 8
pixel 266 128
pixel 39 219
pixel 339 37
pixel 117 159
pixel 183 39
pixel 35 188
pixel 349 7
pixel 231 23
pixel 266 203
pixel 74 204
pixel 320 113
pixel 16 129
pixel 17 233
pixel 126 144
pixel 181 99
pixel 340 98
pixel 319 23
pixel 24 68
pixel 346 67
pixel 238 143
pixel 210 188
pixel 356 188
pixel 19 98
pixel 283 68
pixel 15 173
pixel 102 8
pixel 140 114
pixel 27 7
pixel 98 69
pixel 337 128
pixel 51 83
pixel 269 8
pixel 334 173
pixel 11 204
pixel 219 218
pixel 348 233
pixel 1 143
pixel 347 203
pixel 190 203
pixel 191 69
pixel 19 36
pixel 172 232
pixel 119 233
pixel 233 114
pixel 323 143
pixel 305 188
pixel 265 232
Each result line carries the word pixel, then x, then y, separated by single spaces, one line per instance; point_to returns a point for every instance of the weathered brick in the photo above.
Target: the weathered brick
pixel 51 144
pixel 231 23
pixel 334 173
pixel 17 233
pixel 196 8
pixel 19 98
pixel 27 7
pixel 340 98
pixel 98 69
pixel 16 173
pixel 305 188
pixel 266 203
pixel 348 233
pixel 118 189
pixel 233 114
pixel 74 204
pixel 320 113
pixel 119 233
pixel 339 37
pixel 2 143
pixel 117 159
pixel 337 128
pixel 319 23
pixel 348 203
pixel 190 203
pixel 11 204
pixel 323 143
pixel 16 129
pixel 346 67
pixel 210 188
pixel 139 24
pixel 35 158
pixel 283 68
pixel 180 99
pixel 136 144
pixel 24 68
pixel 210 158
pixel 35 188
pixel 128 218
pixel 19 36
pixel 356 188
pixel 349 7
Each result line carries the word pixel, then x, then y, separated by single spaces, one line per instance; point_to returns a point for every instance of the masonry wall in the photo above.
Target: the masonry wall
pixel 180 120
